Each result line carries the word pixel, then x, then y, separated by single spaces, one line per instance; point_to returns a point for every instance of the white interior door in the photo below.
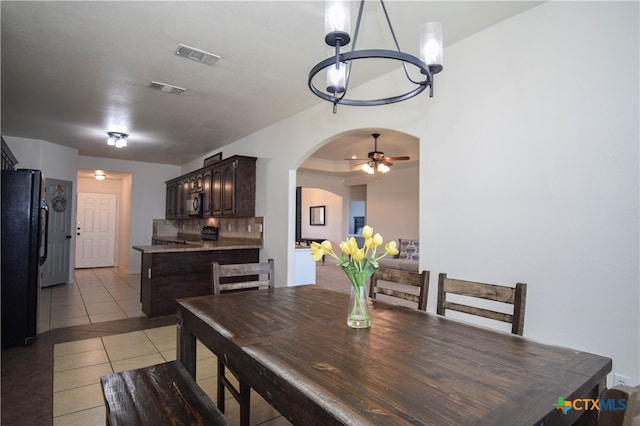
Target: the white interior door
pixel 96 230
pixel 55 269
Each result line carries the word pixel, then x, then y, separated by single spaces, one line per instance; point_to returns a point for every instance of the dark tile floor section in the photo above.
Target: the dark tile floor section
pixel 27 372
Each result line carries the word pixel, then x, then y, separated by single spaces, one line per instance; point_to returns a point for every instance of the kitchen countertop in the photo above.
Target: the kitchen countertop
pixel 201 245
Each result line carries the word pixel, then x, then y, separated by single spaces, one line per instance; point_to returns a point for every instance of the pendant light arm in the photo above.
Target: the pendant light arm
pixel 358 20
pixel 395 41
pixel 353 47
pixel 393 34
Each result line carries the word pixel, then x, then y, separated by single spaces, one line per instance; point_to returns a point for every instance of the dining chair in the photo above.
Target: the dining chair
pixel 399 284
pixel 242 276
pixel 238 277
pixel 616 414
pixel 515 296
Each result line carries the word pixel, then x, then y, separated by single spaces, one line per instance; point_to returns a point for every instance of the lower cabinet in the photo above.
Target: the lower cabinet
pixel 165 277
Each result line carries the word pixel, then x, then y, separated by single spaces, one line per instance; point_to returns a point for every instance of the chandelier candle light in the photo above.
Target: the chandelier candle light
pixel 338 65
pixel 359 263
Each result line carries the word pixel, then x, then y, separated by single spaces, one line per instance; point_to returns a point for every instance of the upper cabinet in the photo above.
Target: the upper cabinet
pixel 228 189
pixel 238 186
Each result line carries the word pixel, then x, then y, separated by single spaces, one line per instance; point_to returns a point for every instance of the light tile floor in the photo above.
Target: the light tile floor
pixel 96 295
pixel 78 366
pixel 107 294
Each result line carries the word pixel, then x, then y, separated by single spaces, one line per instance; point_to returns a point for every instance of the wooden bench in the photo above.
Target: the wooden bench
pixel 162 394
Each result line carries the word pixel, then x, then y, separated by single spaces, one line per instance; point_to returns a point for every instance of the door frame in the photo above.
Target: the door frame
pixel 114 235
pixel 55 206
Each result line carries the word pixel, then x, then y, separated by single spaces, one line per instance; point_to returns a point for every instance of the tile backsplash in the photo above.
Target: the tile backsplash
pixel 240 227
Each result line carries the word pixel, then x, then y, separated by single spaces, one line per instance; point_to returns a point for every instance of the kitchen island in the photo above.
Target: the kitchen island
pixel 174 271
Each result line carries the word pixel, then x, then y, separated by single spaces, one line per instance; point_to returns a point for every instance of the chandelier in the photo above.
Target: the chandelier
pixel 117 139
pixel 338 65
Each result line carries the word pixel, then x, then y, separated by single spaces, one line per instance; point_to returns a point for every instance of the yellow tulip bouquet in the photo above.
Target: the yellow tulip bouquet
pixel 359 263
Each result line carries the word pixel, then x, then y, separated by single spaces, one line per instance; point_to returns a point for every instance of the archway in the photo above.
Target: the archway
pixel 392 199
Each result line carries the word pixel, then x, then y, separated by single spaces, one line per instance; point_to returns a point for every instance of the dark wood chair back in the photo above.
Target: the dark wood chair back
pixel 242 276
pixel 256 276
pixel 498 293
pixel 404 281
pixel 615 415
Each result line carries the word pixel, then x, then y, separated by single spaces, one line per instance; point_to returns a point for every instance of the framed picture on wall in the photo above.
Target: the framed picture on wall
pixel 316 215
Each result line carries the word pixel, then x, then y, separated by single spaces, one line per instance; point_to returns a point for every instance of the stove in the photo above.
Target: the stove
pixel 209 233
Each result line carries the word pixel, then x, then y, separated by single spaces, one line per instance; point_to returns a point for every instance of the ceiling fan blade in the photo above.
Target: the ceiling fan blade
pixel 398 158
pixel 386 162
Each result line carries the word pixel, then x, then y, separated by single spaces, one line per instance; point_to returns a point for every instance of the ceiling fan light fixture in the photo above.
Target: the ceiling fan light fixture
pixel 383 168
pixel 338 65
pixel 366 167
pixel 377 162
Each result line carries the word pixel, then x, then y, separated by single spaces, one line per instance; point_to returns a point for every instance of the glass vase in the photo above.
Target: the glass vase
pixel 359 315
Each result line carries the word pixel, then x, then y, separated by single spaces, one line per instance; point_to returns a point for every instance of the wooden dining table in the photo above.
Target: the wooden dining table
pixel 292 345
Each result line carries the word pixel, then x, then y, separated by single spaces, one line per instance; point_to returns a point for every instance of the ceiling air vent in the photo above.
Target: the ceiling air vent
pixel 168 88
pixel 197 55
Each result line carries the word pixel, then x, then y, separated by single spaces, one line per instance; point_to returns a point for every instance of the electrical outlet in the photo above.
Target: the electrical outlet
pixel 619 379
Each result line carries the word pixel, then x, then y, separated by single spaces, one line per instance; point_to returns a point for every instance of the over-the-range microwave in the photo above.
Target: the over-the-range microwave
pixel 194 204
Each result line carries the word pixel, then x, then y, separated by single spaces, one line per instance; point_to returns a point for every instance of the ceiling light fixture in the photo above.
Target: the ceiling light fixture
pixel 117 139
pixel 372 167
pixel 100 175
pixel 338 66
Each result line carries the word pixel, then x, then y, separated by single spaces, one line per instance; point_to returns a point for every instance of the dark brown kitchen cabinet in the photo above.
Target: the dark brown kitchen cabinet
pixel 195 182
pixel 181 201
pixel 228 187
pixel 171 200
pixel 216 191
pixel 237 187
pixel 207 201
pixel 173 274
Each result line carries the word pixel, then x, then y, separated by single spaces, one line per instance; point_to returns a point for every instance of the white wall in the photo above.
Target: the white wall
pixel 531 173
pixel 148 192
pixel 332 192
pixel 56 162
pixel 528 170
pixel 333 229
pixel 392 204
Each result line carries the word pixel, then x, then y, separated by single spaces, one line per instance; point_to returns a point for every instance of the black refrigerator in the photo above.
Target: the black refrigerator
pixel 24 250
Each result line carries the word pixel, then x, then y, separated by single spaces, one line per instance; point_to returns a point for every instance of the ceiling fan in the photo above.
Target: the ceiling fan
pixel 376 160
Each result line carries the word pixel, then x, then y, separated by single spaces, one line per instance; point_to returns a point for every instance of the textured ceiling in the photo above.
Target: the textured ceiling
pixel 71 71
